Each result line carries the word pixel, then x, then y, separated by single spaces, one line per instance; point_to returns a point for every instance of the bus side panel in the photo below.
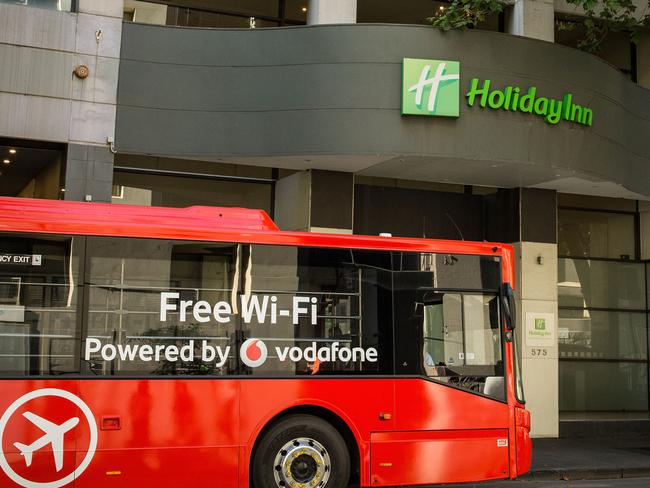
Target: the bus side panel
pixel 42 401
pixel 426 405
pixel 472 427
pixel 450 456
pixel 358 402
pixel 162 432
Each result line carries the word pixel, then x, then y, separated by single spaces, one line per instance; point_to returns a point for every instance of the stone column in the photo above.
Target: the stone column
pixel 532 18
pixel 536 261
pixel 89 165
pixel 315 201
pixel 644 224
pixel 88 173
pixel 332 12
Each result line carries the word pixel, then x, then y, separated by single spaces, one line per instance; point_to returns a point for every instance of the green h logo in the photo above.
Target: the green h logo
pixel 430 87
pixel 540 324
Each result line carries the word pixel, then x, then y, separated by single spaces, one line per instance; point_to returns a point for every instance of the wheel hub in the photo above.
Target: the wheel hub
pixel 302 463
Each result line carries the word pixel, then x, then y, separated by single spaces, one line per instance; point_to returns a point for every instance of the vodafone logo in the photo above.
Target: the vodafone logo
pixel 45 420
pixel 253 352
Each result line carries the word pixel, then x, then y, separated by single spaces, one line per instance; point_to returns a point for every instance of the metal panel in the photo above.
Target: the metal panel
pixel 320 91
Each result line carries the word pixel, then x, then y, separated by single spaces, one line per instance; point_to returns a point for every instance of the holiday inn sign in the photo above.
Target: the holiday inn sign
pixel 432 87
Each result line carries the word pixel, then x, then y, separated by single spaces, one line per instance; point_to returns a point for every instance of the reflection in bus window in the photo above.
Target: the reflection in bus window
pixel 128 278
pixel 349 331
pixel 39 283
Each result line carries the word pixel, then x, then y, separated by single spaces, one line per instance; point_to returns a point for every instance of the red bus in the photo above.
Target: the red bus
pixel 144 346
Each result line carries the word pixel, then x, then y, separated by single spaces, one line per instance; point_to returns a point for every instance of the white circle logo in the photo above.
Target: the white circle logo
pixel 253 352
pixel 53 435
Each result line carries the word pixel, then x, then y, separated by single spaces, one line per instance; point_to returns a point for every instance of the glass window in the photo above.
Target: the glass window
pixel 39 293
pixel 451 337
pixel 595 234
pixel 182 191
pixel 31 172
pixel 389 11
pixel 296 10
pixel 63 5
pixel 591 334
pixel 321 311
pixel 584 283
pixel 244 7
pixel 603 386
pixel 161 307
pixel 452 271
pixel 462 342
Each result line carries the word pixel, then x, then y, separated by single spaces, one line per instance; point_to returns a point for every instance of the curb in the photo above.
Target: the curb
pixel 586 474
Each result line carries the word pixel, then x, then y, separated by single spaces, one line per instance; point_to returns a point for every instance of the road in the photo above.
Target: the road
pixel 619 482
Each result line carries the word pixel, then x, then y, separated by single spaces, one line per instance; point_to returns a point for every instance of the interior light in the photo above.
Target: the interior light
pixel 304 9
pixel 441 7
pixel 6 161
pixel 12 151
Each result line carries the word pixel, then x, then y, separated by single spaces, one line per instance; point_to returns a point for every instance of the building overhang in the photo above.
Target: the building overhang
pixel 329 97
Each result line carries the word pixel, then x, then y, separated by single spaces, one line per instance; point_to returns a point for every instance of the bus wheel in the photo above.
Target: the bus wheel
pixel 301 451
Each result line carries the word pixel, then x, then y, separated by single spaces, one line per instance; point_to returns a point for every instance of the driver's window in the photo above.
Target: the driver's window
pixel 462 342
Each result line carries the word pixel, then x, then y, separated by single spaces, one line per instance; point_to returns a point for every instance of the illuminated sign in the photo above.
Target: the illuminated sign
pixel 432 87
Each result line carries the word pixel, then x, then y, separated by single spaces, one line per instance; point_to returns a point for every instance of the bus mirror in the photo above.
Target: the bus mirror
pixel 508 303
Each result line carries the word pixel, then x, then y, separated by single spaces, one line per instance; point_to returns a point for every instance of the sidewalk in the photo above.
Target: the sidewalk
pixel 599 458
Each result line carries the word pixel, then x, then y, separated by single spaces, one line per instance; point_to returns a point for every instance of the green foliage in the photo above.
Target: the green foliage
pixel 601 18
pixel 461 14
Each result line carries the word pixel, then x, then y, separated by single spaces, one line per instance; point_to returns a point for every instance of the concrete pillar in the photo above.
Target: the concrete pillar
pixel 643 60
pixel 332 12
pixel 532 18
pixel 88 173
pixel 644 213
pixel 315 201
pixel 89 162
pixel 536 291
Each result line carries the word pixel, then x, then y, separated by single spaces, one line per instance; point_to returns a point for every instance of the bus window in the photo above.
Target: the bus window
pixel 451 337
pixel 462 342
pixel 39 295
pixel 343 325
pixel 158 307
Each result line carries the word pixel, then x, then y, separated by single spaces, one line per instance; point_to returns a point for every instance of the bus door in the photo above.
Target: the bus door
pixel 451 415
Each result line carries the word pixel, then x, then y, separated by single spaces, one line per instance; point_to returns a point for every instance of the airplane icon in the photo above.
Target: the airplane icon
pixel 53 435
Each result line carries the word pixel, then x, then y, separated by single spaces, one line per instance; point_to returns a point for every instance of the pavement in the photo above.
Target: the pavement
pixel 582 463
pixel 590 459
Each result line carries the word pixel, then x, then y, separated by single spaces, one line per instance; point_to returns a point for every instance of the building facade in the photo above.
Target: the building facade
pixel 347 116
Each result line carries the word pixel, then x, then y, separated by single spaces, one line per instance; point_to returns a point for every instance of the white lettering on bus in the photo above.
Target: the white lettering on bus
pixel 333 352
pixel 165 306
pixel 147 353
pixel 255 308
pixel 252 304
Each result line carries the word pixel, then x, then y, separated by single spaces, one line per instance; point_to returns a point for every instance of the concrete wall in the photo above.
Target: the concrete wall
pixel 41 98
pixel 328 97
pixel 39 49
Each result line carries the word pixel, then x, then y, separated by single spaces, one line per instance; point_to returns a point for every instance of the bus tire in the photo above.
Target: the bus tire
pixel 301 450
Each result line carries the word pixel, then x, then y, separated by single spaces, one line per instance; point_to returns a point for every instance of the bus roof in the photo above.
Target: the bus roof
pixel 199 223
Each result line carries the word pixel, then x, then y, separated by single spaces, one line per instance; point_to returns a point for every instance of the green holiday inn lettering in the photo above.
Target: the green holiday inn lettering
pixel 514 100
